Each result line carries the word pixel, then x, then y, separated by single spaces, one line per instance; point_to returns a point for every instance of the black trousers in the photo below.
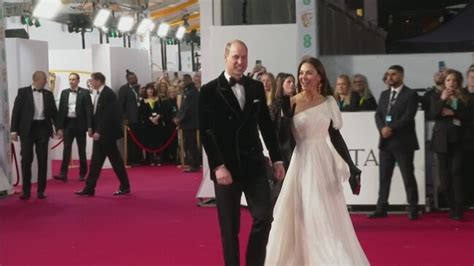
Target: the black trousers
pixel 191 147
pixel 257 193
pixel 39 138
pixel 71 132
pixel 450 173
pixel 101 150
pixel 468 177
pixel 386 167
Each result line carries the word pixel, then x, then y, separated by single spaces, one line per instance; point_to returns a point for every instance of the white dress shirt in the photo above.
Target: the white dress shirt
pixel 239 91
pixel 39 104
pixel 72 103
pixel 96 98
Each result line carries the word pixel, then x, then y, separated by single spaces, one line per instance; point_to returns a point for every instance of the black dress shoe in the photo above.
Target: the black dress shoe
pixel 41 195
pixel 413 215
pixel 25 196
pixel 60 177
pixel 191 170
pixel 121 192
pixel 85 192
pixel 378 214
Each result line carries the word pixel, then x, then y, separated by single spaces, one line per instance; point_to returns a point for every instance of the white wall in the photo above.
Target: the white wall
pixel 275 45
pixel 419 68
pixel 24 57
pixel 135 60
pixel 78 61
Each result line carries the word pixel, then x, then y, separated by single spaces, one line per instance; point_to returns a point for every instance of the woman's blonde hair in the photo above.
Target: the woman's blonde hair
pixel 337 96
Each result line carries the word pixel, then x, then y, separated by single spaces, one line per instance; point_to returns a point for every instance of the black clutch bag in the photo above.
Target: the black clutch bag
pixel 354 182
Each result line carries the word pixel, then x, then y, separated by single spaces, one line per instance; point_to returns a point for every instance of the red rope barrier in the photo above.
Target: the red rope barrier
pixel 157 150
pixel 57 144
pixel 16 165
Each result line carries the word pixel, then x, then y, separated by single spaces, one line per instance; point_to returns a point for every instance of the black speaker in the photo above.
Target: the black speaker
pixel 17 33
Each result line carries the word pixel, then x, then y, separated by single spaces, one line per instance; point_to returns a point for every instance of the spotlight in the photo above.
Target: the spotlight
pixel 163 29
pixel 47 9
pixel 101 18
pixel 146 25
pixel 180 32
pixel 125 23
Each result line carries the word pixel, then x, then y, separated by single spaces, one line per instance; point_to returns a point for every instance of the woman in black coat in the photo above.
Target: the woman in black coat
pixel 448 108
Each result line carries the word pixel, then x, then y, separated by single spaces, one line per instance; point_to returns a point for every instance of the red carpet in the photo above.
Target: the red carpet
pixel 159 224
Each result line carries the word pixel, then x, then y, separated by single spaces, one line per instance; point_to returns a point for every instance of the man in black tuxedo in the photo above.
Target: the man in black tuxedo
pixel 232 109
pixel 395 119
pixel 187 119
pixel 107 128
pixel 34 112
pixel 74 120
pixel 129 102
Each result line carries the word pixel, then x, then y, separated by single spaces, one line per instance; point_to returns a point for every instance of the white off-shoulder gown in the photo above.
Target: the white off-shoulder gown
pixel 311 223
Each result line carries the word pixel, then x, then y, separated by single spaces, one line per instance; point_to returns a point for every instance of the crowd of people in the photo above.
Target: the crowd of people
pixel 232 113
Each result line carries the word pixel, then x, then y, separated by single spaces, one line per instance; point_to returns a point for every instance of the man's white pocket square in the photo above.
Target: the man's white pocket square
pixel 256 101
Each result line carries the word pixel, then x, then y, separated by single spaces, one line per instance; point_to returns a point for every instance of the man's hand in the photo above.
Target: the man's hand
pixel 386 132
pixel 446 93
pixel 279 171
pixel 60 134
pixel 96 136
pixel 223 176
pixel 14 136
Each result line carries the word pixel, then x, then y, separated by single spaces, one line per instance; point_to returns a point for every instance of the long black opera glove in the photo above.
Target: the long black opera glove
pixel 341 148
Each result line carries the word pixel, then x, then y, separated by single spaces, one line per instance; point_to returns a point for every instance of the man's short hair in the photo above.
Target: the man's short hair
pixel 75 74
pixel 98 76
pixel 397 68
pixel 229 44
pixel 37 74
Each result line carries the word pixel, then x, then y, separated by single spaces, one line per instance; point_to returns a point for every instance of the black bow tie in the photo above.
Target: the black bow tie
pixel 233 81
pixel 37 90
pixel 73 91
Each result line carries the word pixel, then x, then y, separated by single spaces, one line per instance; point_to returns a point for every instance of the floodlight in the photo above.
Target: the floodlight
pixel 146 25
pixel 125 23
pixel 101 18
pixel 47 9
pixel 180 32
pixel 163 30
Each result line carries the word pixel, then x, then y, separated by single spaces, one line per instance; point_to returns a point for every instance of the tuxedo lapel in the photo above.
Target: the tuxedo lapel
pixel 400 99
pixel 225 91
pixel 249 96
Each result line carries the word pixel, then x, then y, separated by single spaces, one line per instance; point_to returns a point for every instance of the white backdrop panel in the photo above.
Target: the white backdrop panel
pixel 24 57
pixel 79 61
pixel 135 60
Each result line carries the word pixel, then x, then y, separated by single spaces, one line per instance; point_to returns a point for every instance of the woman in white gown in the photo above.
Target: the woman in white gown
pixel 311 223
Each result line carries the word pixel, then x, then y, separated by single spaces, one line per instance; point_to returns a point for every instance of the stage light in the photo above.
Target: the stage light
pixel 146 25
pixel 125 23
pixel 180 32
pixel 163 30
pixel 101 18
pixel 105 29
pixel 47 9
pixel 37 23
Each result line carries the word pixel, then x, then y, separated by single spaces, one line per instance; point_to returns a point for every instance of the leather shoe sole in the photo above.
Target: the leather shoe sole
pixel 378 214
pixel 84 192
pixel 121 192
pixel 60 177
pixel 24 197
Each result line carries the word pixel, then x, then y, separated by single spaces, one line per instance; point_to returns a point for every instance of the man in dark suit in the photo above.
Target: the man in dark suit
pixel 74 120
pixel 395 119
pixel 129 102
pixel 187 119
pixel 33 114
pixel 107 128
pixel 232 109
